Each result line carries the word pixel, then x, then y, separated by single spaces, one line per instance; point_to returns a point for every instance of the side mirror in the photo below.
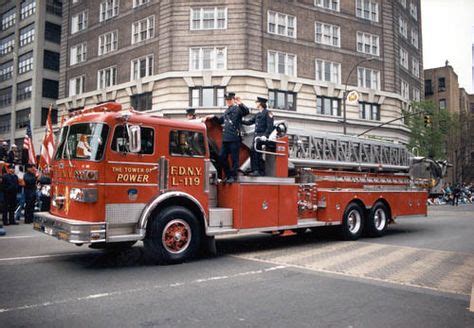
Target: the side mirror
pixel 135 138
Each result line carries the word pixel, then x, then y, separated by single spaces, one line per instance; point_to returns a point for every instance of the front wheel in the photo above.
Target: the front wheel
pixel 377 221
pixel 352 223
pixel 173 236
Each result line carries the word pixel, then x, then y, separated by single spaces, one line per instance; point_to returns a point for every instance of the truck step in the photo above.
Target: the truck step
pixel 220 217
pixel 309 222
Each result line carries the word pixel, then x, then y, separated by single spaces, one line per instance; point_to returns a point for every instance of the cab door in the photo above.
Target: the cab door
pixel 130 179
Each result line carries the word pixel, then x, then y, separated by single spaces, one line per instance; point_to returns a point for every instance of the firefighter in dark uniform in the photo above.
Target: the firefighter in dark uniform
pixel 263 121
pixel 232 120
pixel 10 189
pixel 191 114
pixel 30 192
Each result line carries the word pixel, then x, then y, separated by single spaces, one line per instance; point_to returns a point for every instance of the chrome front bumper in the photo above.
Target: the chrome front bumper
pixel 73 231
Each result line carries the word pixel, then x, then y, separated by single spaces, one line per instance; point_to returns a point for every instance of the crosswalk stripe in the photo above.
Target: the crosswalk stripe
pixel 459 280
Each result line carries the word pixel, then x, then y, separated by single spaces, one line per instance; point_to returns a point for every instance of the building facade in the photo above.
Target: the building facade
pixel 164 56
pixel 442 88
pixel 29 66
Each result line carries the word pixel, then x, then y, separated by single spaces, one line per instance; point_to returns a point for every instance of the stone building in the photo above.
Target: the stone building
pixel 164 56
pixel 30 34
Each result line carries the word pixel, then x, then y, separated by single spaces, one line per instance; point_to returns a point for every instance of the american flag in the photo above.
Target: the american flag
pixel 28 145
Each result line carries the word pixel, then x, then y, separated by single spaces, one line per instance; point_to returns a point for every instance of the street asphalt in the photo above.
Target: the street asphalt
pixel 419 275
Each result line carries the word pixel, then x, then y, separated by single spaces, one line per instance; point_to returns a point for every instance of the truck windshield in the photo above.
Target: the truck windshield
pixel 82 141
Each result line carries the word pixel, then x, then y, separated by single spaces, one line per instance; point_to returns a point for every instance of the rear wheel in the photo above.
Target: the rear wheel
pixel 353 222
pixel 173 236
pixel 377 221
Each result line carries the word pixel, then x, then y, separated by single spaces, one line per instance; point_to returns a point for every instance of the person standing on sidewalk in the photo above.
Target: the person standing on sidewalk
pixel 10 189
pixel 30 192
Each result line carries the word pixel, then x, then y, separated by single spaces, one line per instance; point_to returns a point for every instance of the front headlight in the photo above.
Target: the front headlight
pixel 83 195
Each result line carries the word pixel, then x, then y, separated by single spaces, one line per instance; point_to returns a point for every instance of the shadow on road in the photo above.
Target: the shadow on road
pixel 136 256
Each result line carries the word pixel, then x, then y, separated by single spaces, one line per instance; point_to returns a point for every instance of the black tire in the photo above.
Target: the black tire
pixel 352 222
pixel 378 220
pixel 173 236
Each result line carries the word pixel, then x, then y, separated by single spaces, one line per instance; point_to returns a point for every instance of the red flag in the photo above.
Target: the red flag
pixel 47 146
pixel 28 145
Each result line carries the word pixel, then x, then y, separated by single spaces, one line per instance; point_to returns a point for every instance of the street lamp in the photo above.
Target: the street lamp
pixel 344 95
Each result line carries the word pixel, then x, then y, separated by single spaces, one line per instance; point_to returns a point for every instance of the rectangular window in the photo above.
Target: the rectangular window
pixel 6 96
pixel 368 111
pixel 368 78
pixel 76 85
pixel 188 144
pixel 44 115
pixel 416 94
pixel 328 71
pixel 285 100
pixel 414 38
pixel 328 106
pixel 138 3
pixel 79 22
pixel 281 24
pixel 327 34
pixel 414 11
pixel 143 29
pixel 405 89
pixel 108 42
pixel 327 4
pixel 208 18
pixel 367 9
pixel 28 8
pixel 8 19
pixel 415 67
pixel 54 7
pixel 442 104
pixel 78 53
pixel 52 32
pixel 281 63
pixel 51 60
pixel 23 118
pixel 120 142
pixel 428 88
pixel 206 97
pixel 207 58
pixel 404 58
pixel 7 44
pixel 5 123
pixel 368 43
pixel 25 62
pixel 6 70
pixel 50 89
pixel 403 27
pixel 441 84
pixel 27 35
pixel 142 101
pixel 141 67
pixel 108 9
pixel 23 90
pixel 107 77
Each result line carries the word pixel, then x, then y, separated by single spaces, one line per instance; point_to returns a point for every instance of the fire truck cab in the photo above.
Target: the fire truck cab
pixel 120 176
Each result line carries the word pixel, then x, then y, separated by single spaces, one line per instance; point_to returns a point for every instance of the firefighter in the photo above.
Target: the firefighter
pixel 191 114
pixel 30 192
pixel 263 121
pixel 232 120
pixel 10 190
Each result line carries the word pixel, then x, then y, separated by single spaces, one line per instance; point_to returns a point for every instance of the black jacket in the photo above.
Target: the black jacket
pixel 232 120
pixel 30 183
pixel 263 123
pixel 10 183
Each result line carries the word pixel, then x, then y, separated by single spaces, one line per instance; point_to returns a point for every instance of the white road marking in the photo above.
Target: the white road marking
pixel 19 237
pixel 137 290
pixel 23 258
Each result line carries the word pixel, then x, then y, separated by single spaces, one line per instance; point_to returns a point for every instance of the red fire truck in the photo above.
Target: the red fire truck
pixel 121 176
